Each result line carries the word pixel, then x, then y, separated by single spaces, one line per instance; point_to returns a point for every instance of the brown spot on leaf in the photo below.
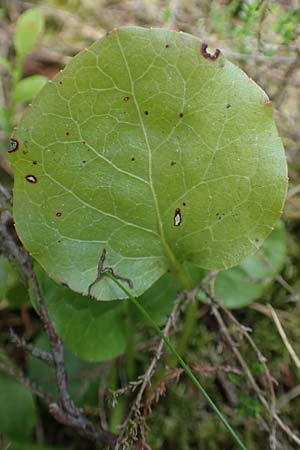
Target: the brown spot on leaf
pixel 206 54
pixel 167 46
pixel 181 115
pixel 126 99
pixel 67 133
pixel 58 214
pixel 31 179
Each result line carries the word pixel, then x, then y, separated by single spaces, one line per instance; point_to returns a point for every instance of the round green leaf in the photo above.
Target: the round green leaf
pixel 242 285
pixel 150 147
pixel 17 412
pixel 94 331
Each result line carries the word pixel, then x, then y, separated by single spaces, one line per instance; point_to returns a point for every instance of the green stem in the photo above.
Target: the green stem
pixel 130 344
pixel 17 74
pixel 188 328
pixel 179 271
pixel 185 367
pixel 118 411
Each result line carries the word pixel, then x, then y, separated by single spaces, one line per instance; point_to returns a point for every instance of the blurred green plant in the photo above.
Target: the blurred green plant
pixel 288 26
pixel 29 28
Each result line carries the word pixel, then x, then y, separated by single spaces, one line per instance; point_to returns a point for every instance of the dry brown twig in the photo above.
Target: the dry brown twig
pixel 270 407
pixel 284 338
pixel 145 380
pixel 20 342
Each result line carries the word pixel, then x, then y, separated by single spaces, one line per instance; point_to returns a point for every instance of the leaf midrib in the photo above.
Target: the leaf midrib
pixel 176 267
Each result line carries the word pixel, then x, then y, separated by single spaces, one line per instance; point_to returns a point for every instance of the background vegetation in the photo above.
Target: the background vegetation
pixel 246 358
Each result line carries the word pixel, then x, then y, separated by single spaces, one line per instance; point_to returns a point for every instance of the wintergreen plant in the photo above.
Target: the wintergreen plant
pixel 146 160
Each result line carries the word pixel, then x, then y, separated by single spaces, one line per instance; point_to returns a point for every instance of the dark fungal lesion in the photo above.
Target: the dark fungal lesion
pixel 14 145
pixel 206 54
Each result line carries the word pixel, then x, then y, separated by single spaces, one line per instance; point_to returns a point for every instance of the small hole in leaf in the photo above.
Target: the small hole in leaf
pixel 181 115
pixel 133 158
pixel 146 113
pixel 177 217
pixel 183 204
pixel 31 179
pixel 34 163
pixel 228 106
pixel 67 133
pixel 173 163
pixel 14 145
